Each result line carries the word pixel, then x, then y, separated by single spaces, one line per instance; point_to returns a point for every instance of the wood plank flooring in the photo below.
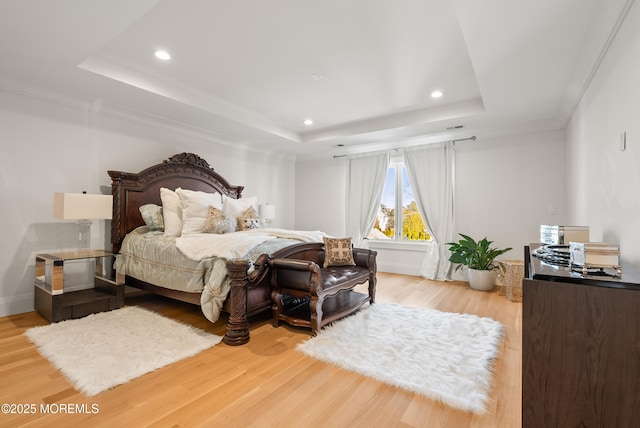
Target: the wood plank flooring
pixel 266 383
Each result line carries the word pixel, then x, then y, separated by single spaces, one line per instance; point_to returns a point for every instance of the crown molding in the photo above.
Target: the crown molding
pixel 114 111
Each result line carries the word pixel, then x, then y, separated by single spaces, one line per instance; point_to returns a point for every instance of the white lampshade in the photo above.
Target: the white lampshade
pixel 81 206
pixel 267 212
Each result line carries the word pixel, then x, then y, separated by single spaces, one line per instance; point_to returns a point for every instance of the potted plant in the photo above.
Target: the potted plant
pixel 478 257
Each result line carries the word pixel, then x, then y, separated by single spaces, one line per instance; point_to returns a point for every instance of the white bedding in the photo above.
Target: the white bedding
pixel 226 247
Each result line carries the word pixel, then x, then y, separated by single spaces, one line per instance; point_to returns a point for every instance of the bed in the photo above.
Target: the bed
pixel 234 278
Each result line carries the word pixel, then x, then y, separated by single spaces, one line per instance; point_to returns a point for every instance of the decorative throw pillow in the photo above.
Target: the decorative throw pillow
pixel 337 252
pixel 219 222
pixel 249 220
pixel 152 216
pixel 171 212
pixel 195 209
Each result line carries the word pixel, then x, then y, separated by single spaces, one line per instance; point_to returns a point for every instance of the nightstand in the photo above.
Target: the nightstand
pixel 55 304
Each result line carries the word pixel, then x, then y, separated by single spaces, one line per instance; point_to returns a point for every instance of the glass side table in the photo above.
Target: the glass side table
pixel 55 304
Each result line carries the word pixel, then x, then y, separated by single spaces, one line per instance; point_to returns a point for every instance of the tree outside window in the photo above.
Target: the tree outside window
pixel 403 223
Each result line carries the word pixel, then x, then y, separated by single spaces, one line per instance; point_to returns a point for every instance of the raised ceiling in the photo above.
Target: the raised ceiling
pixel 249 72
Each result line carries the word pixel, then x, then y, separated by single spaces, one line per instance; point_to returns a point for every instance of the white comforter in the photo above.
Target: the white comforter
pixel 227 247
pixel 237 244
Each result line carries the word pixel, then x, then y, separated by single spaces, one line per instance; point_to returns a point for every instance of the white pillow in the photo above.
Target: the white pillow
pixel 235 207
pixel 172 212
pixel 195 209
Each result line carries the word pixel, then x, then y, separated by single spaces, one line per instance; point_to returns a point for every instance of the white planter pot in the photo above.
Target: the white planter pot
pixel 483 280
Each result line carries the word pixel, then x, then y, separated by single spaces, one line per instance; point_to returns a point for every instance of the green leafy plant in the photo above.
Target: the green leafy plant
pixel 474 254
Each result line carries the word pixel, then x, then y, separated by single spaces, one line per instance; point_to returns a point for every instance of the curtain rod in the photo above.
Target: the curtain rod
pixel 464 139
pixel 473 138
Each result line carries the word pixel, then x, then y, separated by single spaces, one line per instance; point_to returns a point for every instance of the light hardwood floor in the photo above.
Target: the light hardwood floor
pixel 266 383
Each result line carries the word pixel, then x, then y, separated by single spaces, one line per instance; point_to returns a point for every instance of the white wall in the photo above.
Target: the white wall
pixel 320 195
pixel 504 186
pixel 48 146
pixel 604 181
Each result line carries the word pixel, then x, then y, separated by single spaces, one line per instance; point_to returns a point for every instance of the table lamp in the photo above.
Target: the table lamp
pixel 267 213
pixel 83 208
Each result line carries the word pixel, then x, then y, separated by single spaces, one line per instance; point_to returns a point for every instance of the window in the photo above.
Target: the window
pixel 398 193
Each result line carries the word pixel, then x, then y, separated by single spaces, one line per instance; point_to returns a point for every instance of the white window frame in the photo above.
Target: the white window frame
pixel 397 162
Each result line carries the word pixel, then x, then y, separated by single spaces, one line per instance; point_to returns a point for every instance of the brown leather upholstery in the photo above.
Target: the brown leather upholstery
pixel 329 291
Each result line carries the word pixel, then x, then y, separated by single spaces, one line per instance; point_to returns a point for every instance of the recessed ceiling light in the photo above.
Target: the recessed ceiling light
pixel 316 77
pixel 308 122
pixel 436 94
pixel 163 55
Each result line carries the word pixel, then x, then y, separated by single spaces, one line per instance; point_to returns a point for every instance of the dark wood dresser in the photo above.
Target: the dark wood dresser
pixel 581 348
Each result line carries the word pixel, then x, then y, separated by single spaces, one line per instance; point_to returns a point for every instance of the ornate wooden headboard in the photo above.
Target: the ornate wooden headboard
pixel 132 190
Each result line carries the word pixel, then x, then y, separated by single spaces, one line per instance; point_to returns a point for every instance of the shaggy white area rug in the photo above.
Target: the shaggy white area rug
pixel 107 349
pixel 444 356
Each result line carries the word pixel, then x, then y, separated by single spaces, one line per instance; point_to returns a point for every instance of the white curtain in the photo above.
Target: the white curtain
pixel 431 173
pixel 366 177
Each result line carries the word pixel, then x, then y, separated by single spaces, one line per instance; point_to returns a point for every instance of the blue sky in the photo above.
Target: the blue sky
pixel 388 198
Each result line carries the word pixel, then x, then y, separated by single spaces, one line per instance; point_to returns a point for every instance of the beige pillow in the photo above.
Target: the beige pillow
pixel 219 222
pixel 249 219
pixel 337 252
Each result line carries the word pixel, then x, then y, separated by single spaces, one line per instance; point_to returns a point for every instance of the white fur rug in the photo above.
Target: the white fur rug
pixel 107 349
pixel 444 356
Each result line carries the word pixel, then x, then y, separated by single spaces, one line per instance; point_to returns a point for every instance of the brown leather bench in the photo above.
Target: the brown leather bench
pixel 305 294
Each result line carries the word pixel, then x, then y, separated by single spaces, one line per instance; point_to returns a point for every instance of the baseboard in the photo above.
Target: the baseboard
pixel 16 304
pixel 408 269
